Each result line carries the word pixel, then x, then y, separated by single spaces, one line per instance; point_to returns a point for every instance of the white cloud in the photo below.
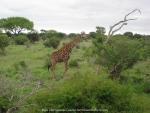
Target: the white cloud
pixel 78 15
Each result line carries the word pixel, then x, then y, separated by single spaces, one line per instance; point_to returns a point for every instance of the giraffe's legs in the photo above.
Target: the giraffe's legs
pixel 66 67
pixel 53 73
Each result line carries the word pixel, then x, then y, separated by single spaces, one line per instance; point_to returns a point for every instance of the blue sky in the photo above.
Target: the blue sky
pixel 78 15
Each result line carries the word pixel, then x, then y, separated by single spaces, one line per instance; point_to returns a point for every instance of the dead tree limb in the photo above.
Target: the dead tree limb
pixel 117 26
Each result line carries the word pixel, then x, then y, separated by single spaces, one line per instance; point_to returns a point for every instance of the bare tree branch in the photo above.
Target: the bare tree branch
pixel 120 24
pixel 135 10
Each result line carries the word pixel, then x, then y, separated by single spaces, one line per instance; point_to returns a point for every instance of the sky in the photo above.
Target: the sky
pixel 79 15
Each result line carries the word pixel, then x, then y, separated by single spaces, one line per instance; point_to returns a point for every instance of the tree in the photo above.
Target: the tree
pixel 98 38
pixel 52 42
pixel 106 53
pixel 20 39
pixel 128 34
pixel 137 36
pixel 33 36
pixel 16 25
pixel 92 34
pixel 4 42
pixel 100 30
pixel 46 34
pixel 71 35
pixel 99 35
pixel 120 54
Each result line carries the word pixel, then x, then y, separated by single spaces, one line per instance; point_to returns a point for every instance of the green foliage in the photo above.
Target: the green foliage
pixel 33 36
pixel 88 92
pixel 4 42
pixel 137 36
pixel 145 50
pixel 52 42
pixel 20 39
pixel 20 65
pixel 92 34
pixel 81 88
pixel 52 33
pixel 9 34
pixel 100 36
pixel 16 25
pixel 71 35
pixel 121 53
pixel 73 63
pixel 6 92
pixel 128 34
pixel 100 30
pixel 4 103
pixel 139 76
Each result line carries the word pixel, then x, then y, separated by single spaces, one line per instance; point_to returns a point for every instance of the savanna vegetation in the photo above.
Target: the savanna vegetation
pixel 111 76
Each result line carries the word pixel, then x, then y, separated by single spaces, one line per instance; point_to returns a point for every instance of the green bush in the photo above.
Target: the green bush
pixel 139 76
pixel 4 42
pixel 33 36
pixel 4 104
pixel 73 63
pixel 119 54
pixel 89 92
pixel 20 40
pixel 128 34
pixel 47 34
pixel 145 50
pixel 52 42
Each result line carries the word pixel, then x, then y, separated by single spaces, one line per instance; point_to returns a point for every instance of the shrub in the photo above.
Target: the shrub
pixel 9 34
pixel 20 39
pixel 73 63
pixel 139 76
pixel 89 92
pixel 4 104
pixel 145 50
pixel 71 35
pixel 52 42
pixel 128 34
pixel 46 34
pixel 137 36
pixel 4 42
pixel 33 36
pixel 120 54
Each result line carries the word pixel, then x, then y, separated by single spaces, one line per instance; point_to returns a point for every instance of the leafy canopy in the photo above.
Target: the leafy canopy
pixel 15 25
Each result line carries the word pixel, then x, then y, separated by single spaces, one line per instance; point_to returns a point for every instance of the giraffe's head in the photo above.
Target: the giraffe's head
pixel 79 38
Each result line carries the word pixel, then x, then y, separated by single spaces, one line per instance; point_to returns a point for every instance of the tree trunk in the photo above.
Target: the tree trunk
pixel 115 72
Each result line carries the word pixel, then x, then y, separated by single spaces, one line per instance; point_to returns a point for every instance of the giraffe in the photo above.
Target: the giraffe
pixel 63 54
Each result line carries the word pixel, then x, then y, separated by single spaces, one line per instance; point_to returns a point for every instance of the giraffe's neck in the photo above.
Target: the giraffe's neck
pixel 72 44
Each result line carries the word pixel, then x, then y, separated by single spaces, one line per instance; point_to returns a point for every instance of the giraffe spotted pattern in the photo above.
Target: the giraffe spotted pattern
pixel 63 54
